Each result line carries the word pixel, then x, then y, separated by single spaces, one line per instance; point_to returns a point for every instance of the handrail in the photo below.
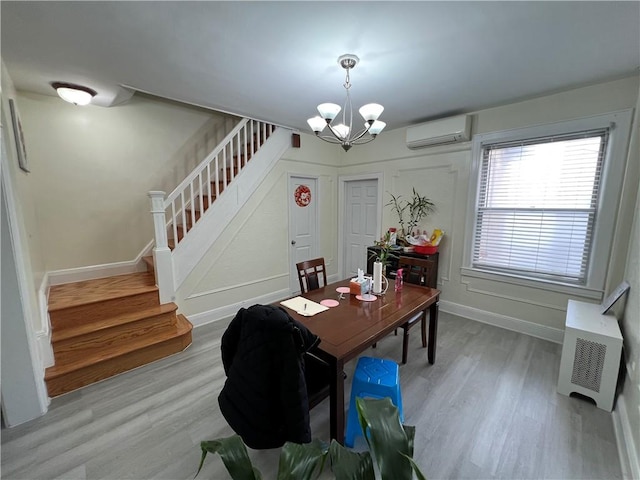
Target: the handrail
pixel 212 176
pixel 201 166
pixel 190 200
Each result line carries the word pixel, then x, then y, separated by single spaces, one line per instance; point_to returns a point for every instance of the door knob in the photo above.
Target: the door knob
pixel 293 242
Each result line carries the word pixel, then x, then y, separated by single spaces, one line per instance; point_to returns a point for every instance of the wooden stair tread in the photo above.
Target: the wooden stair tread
pixel 182 327
pixel 65 333
pixel 92 291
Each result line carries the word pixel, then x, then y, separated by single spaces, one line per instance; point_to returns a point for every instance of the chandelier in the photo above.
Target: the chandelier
pixel 343 133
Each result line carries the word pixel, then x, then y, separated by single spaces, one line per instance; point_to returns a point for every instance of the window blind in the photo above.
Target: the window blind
pixel 537 204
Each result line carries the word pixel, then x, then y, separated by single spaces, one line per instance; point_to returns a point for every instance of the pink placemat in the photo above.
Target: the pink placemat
pixel 327 302
pixel 343 290
pixel 368 298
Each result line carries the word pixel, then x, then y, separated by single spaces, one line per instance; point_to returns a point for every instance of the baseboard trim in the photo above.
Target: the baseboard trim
pixel 59 277
pixel 554 335
pixel 226 311
pixel 627 451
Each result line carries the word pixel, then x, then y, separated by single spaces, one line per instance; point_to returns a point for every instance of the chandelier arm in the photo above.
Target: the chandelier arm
pixel 363 141
pixel 335 134
pixel 360 135
pixel 329 139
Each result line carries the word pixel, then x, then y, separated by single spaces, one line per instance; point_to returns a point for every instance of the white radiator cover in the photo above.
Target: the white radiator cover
pixel 590 354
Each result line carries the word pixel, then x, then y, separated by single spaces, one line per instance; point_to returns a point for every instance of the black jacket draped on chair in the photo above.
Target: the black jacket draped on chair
pixel 264 398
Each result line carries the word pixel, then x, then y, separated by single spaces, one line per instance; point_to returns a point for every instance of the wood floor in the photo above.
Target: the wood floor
pixel 487 409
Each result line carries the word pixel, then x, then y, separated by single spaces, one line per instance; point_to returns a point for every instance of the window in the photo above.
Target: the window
pixel 539 204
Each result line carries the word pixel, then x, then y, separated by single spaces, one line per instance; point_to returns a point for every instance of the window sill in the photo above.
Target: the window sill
pixel 579 291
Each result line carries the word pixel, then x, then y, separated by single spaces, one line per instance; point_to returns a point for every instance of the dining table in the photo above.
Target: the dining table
pixel 356 322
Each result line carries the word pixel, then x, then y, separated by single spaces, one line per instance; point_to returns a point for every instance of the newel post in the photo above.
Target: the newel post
pixel 163 262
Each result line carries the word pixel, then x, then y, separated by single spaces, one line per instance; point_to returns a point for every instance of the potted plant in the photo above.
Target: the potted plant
pixel 416 209
pixel 384 251
pixel 390 443
pixel 382 254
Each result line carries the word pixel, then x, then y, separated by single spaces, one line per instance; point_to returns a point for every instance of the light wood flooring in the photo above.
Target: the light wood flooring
pixel 487 409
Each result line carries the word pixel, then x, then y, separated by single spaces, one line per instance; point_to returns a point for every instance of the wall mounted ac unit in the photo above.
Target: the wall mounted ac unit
pixel 439 132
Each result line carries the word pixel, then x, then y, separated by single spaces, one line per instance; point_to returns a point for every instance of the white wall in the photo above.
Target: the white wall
pixel 250 262
pixel 442 174
pixel 628 406
pixel 74 212
pixel 23 390
pixel 91 169
pixel 130 148
pixel 22 401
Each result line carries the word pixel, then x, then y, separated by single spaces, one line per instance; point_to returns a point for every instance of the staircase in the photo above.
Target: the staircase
pixel 208 199
pixel 103 327
pixel 107 326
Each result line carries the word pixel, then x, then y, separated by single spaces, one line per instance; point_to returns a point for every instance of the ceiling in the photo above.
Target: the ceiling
pixel 276 61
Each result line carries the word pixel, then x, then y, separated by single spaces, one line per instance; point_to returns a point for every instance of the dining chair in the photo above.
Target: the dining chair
pixel 309 274
pixel 418 271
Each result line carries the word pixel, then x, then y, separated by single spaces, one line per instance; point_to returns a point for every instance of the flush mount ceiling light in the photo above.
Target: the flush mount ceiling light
pixel 342 133
pixel 76 94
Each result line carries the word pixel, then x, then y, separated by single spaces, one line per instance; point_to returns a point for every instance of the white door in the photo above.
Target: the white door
pixel 303 224
pixel 360 223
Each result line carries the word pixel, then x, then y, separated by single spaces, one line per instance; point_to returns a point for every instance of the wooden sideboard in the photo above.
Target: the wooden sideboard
pixel 390 273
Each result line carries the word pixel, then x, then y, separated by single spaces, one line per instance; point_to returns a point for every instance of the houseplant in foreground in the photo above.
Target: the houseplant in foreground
pixel 390 443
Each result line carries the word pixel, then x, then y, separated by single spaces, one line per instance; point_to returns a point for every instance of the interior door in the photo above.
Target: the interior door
pixel 360 223
pixel 303 224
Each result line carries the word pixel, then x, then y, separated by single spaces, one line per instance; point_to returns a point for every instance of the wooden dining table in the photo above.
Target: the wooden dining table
pixel 348 329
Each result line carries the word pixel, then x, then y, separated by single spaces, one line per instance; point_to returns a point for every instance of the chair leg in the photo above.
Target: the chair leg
pixel 405 344
pixel 423 327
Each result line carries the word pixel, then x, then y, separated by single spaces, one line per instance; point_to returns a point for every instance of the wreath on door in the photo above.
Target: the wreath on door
pixel 302 196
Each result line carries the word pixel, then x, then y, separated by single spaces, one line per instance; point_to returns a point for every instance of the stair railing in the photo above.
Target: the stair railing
pixel 188 201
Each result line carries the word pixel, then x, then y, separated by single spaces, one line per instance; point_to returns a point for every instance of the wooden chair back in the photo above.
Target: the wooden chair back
pixel 310 273
pixel 418 271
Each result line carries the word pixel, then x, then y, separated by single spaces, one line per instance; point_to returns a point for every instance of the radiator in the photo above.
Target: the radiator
pixel 590 354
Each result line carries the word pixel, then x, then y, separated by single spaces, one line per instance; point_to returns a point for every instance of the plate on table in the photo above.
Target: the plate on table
pixel 343 290
pixel 367 298
pixel 328 302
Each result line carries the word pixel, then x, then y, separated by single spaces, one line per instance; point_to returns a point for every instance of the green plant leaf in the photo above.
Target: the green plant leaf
pixel 416 469
pixel 348 465
pixel 234 456
pixel 410 432
pixel 386 437
pixel 302 461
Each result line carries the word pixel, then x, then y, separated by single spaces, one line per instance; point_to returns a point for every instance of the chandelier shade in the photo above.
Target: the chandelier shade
pixel 343 133
pixel 371 111
pixel 329 111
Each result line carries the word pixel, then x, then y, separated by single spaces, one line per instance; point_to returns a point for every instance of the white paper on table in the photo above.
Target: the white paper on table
pixel 297 304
